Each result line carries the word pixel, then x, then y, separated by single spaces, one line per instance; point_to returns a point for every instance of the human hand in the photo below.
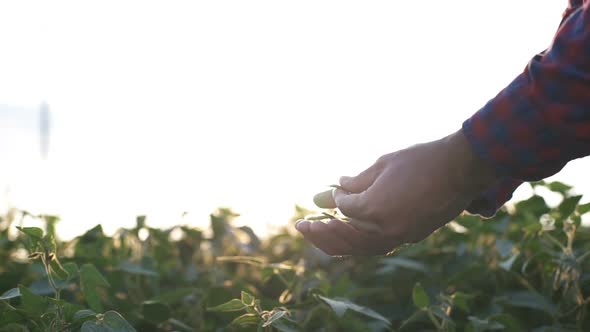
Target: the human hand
pixel 407 195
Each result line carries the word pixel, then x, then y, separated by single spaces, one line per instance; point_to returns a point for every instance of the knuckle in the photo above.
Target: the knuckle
pixel 386 158
pixel 383 160
pixel 346 210
pixel 368 207
pixel 382 207
pixel 372 211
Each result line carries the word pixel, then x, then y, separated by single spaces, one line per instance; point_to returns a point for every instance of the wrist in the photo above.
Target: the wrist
pixel 470 173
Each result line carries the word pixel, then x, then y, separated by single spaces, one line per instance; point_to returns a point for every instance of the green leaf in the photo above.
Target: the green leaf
pixel 83 314
pixel 461 300
pixel 247 298
pixel 58 270
pixel 535 205
pixel 33 232
pixel 533 228
pixel 232 305
pixel 90 281
pixel 438 312
pixel 256 261
pixel 176 323
pixel 317 217
pixel 529 299
pixel 583 208
pixel 509 322
pixel 33 304
pixel 111 321
pixel 14 327
pixel 69 309
pixel 174 295
pixel 11 316
pixel 155 312
pixel 285 325
pixel 91 276
pixel 275 316
pixel 481 325
pixel 559 187
pixel 568 206
pixel 92 234
pixel 339 306
pixel 34 239
pixel 266 273
pixel 10 294
pixel 539 183
pixel 391 264
pixel 49 244
pixel 71 269
pixel 468 221
pixel 246 320
pixel 419 296
pixel 43 287
pixel 417 316
pixel 137 269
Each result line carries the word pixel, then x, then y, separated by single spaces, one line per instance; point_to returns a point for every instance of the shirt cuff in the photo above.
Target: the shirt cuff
pixel 488 202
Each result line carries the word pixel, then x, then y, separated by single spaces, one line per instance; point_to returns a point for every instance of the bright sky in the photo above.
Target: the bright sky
pixel 164 107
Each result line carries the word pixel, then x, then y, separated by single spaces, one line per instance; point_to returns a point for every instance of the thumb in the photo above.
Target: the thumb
pixel 363 181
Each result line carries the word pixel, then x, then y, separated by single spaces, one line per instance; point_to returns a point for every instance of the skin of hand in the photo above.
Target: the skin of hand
pixel 408 194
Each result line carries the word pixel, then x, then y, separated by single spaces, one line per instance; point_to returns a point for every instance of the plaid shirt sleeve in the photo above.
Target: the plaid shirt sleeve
pixel 541 121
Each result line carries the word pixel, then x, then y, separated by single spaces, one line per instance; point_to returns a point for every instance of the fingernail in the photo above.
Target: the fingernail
pixel 300 225
pixel 297 224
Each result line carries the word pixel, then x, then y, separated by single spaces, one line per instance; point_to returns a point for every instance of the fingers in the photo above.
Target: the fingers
pixel 352 205
pixel 364 243
pixel 321 236
pixel 338 238
pixel 362 181
pixel 365 226
pixel 352 198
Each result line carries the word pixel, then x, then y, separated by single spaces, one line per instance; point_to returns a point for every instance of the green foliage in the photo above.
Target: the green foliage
pixel 526 269
pixel 340 306
pixel 111 321
pixel 155 312
pixel 419 296
pixel 90 282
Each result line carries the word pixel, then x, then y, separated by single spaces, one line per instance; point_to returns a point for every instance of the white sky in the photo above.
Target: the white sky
pixel 170 106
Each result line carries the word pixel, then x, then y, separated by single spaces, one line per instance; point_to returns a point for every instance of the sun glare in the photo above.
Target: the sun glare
pixel 161 109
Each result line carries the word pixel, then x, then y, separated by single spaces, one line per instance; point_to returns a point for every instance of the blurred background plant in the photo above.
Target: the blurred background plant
pixel 526 269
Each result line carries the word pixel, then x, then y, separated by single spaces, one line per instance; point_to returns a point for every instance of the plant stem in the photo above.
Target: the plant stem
pixel 56 290
pixel 581 258
pixel 434 320
pixel 555 241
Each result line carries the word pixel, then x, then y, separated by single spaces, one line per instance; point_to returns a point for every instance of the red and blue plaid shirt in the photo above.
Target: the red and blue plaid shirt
pixel 541 121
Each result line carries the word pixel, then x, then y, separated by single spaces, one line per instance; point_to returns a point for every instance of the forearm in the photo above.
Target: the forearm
pixel 532 128
pixel 541 121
